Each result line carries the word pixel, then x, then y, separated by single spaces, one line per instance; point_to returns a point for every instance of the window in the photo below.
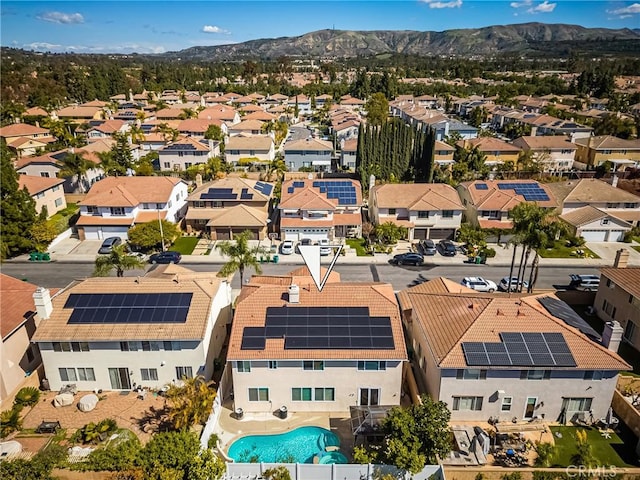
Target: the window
pixel 467 403
pixel 186 165
pixel 301 394
pixel 392 211
pixel 217 204
pixel 630 205
pixel 576 404
pixel 119 211
pixel 30 355
pixel 148 374
pixel 80 346
pixel 313 365
pixel 612 205
pixel 92 209
pixel 258 394
pixel 44 174
pixel 535 375
pixel 172 346
pixel 610 284
pixel 423 214
pixel 629 330
pixel 70 346
pixel 471 374
pixel 167 165
pixel 506 404
pixel 184 372
pixel 58 202
pixel 593 375
pixel 490 214
pixel 608 308
pixel 244 366
pixel 370 365
pixel 604 221
pixel 198 204
pixel 273 364
pixel 324 394
pixel 56 188
pixel 68 374
pixel 447 214
pixel 128 346
pixel 86 374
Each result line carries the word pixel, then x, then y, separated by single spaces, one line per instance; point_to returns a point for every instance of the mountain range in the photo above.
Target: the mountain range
pixel 525 39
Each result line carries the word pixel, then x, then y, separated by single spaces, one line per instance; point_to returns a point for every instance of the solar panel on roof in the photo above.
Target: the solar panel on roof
pixel 561 310
pixel 481 186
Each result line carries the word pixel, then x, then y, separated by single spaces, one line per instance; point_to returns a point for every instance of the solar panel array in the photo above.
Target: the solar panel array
pixel 561 310
pixel 265 188
pixel 344 191
pixel 219 194
pixel 481 186
pixel 532 192
pixel 530 349
pixel 103 308
pixel 331 328
pixel 295 185
pixel 180 146
pixel 245 195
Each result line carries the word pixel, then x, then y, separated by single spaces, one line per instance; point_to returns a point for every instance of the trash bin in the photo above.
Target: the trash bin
pixel 276 258
pixel 34 257
pixel 239 413
pixel 478 260
pixel 282 412
pixel 45 257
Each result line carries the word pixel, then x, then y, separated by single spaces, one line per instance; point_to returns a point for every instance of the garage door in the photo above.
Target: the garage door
pixel 594 235
pixel 441 233
pixel 615 236
pixel 92 233
pixel 115 232
pixel 223 234
pixel 419 233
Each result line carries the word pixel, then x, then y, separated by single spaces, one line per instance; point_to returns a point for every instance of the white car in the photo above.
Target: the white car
pixel 479 284
pixel 325 249
pixel 286 248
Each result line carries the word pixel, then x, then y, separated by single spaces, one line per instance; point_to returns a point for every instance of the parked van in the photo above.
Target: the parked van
pixel 585 283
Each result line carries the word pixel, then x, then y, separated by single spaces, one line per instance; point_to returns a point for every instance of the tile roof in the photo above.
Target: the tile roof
pixel 146 216
pixel 582 216
pixel 350 145
pixel 626 278
pixel 253 142
pixel 443 146
pixel 260 115
pixel 237 216
pixel 551 142
pixel 251 108
pixel 21 129
pixel 417 196
pixel 197 125
pixel 309 197
pixel 488 144
pixel 130 191
pixel 78 112
pixel 308 145
pixel 590 190
pixel 203 286
pixel 16 303
pixel 95 103
pixel 607 142
pixel 35 112
pixel 168 113
pixel 36 184
pixel 493 198
pixel 488 223
pixel 96 220
pixel 26 142
pixel 449 319
pixel 108 126
pixel 187 142
pixel 248 125
pixel 236 184
pixel 223 112
pixel 257 296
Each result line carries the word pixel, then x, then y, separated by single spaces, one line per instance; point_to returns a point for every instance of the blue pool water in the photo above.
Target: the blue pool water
pixel 299 445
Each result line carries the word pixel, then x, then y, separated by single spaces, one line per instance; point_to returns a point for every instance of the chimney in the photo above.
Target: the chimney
pixel 622 258
pixel 294 293
pixel 42 301
pixel 612 335
pixel 614 181
pixel 198 180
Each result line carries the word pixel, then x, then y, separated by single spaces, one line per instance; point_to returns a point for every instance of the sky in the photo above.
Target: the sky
pixel 155 26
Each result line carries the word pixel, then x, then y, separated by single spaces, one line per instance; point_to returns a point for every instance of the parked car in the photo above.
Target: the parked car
pixel 585 283
pixel 447 248
pixel 286 247
pixel 166 257
pixel 303 242
pixel 325 249
pixel 504 284
pixel 479 284
pixel 427 247
pixel 409 258
pixel 108 245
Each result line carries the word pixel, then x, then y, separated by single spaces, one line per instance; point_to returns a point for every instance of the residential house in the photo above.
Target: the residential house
pixel 79 114
pixel 618 299
pixel 226 207
pixel 595 225
pixel 186 152
pixel 446 127
pixel 321 100
pixel 35 112
pixel 320 209
pixel 443 153
pixel 496 151
pixel 590 192
pixel 169 114
pixel 20 306
pixel 197 127
pixel 346 130
pixel 106 129
pixel 115 204
pixel 593 151
pixel 488 202
pixel 115 333
pixel 246 127
pixel 526 358
pixel 348 154
pixel 351 103
pixel 551 153
pixel 221 112
pixel 261 116
pixel 46 192
pixel 25 139
pixel 349 352
pixel 302 102
pixel 250 108
pixel 426 210
pixel 309 153
pixel 426 101
pixel 240 150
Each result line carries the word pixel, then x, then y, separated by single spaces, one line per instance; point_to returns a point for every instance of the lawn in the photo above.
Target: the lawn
pixel 61 220
pixel 607 451
pixel 358 244
pixel 185 245
pixel 560 250
pixel 636 248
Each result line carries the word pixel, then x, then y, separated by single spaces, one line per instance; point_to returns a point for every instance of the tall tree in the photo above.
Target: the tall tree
pixel 377 108
pixel 190 403
pixel 147 235
pixel 74 165
pixel 118 260
pixel 240 254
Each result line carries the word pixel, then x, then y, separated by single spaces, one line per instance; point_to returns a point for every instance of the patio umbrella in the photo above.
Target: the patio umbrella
pixel 609 418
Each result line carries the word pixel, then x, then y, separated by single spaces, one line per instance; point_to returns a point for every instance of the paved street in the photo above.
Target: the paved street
pixel 54 275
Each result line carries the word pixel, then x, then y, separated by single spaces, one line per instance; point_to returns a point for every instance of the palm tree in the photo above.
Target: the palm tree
pixel 118 260
pixel 241 255
pixel 190 403
pixel 137 134
pixel 74 165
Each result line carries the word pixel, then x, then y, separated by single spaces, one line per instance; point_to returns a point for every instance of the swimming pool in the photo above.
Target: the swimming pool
pixel 299 445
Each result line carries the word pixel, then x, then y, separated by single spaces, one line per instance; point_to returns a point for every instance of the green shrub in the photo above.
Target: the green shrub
pixel 488 252
pixel 10 421
pixel 114 458
pixel 213 441
pixel 27 397
pixel 95 432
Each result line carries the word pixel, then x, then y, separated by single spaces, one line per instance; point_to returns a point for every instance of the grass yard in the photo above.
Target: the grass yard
pixel 185 245
pixel 61 220
pixel 607 451
pixel 358 244
pixel 560 250
pixel 636 248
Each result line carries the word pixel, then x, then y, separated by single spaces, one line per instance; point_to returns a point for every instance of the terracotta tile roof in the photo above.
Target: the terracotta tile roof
pixel 78 112
pixel 441 285
pixel 352 101
pixel 203 286
pixel 344 125
pixel 95 103
pixel 237 216
pixel 309 145
pixel 309 197
pixel 93 220
pixel 168 113
pixel 582 216
pixel 186 142
pixel 260 115
pixel 253 142
pixel 629 215
pixel 251 108
pixel 257 296
pixel 590 190
pixel 492 198
pixel 347 219
pixel 35 112
pixel 236 184
pixel 16 303
pixel 248 125
pixel 338 219
pixel 417 196
pixel 608 142
pixel 486 223
pixel 150 216
pixel 440 146
pixel 130 191
pixel 21 130
pixel 450 319
pixel 40 159
pixel 546 142
pixel 489 144
pixel 28 141
pixel 223 112
pixel 626 278
pixel 108 126
pixel 197 125
pixel 36 184
pixel 350 145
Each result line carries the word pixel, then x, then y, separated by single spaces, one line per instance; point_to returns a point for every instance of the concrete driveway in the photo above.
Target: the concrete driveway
pixel 87 247
pixel 607 251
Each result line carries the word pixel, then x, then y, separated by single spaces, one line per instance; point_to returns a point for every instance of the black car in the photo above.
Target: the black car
pixel 166 257
pixel 409 258
pixel 447 248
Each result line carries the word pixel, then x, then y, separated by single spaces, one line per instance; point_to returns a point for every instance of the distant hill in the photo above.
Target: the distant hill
pixel 526 39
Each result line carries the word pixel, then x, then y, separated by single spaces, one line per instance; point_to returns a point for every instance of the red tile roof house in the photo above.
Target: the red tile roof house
pixel 186 152
pixel 106 129
pixel 26 139
pixel 46 192
pixel 549 365
pixel 552 153
pixel 328 366
pixel 320 209
pixel 241 149
pixel 115 204
pixel 308 153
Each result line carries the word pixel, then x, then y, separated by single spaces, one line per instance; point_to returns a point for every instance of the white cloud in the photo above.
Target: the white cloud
pixel 544 7
pixel 41 46
pixel 439 4
pixel 524 3
pixel 214 29
pixel 123 48
pixel 61 17
pixel 626 12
